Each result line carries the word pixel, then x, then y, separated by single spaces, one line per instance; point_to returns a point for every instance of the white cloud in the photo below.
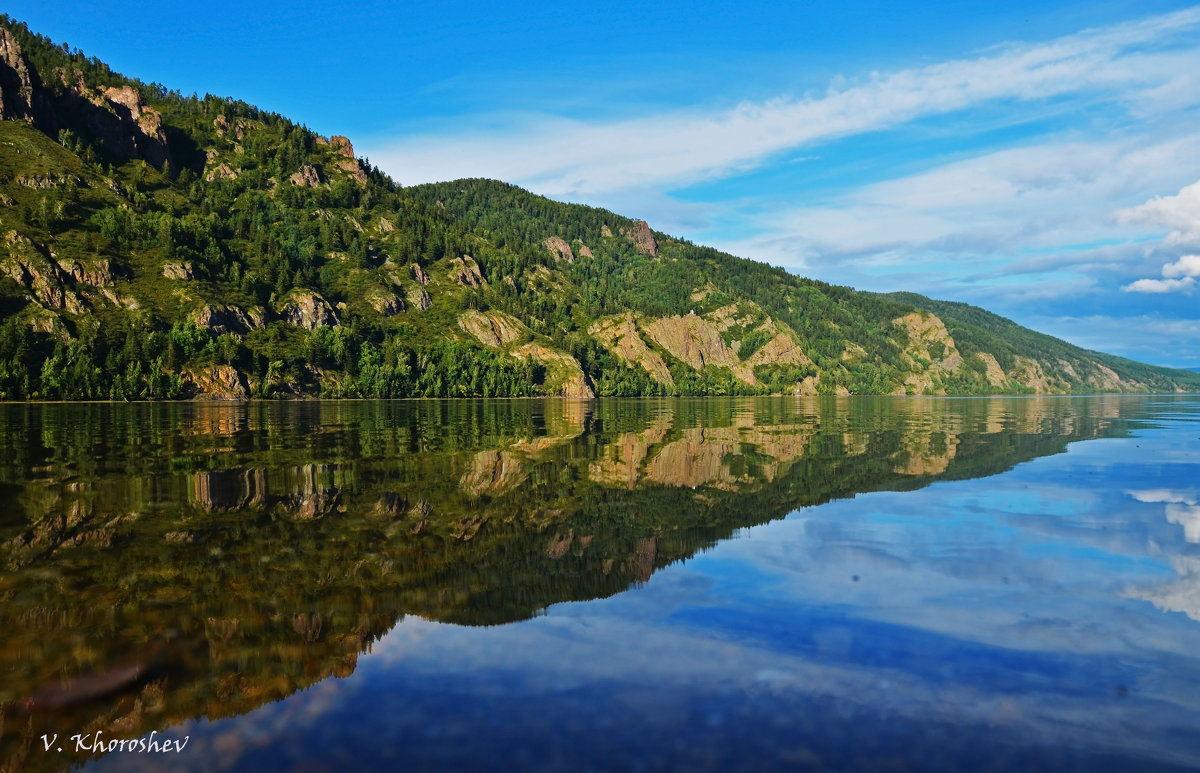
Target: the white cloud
pixel 1180 213
pixel 1160 285
pixel 556 156
pixel 1047 198
pixel 1188 265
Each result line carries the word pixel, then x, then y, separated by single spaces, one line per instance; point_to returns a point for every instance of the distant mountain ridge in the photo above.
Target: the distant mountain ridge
pixel 156 246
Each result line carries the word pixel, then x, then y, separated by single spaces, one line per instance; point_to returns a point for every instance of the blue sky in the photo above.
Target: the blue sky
pixel 1037 159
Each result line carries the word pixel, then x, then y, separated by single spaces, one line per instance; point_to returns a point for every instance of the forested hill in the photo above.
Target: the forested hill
pixel 158 246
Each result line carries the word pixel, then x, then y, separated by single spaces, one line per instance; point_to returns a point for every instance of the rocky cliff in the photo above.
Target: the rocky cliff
pixel 159 246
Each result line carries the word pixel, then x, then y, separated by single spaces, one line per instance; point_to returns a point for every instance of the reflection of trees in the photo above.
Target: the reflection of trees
pixel 204 559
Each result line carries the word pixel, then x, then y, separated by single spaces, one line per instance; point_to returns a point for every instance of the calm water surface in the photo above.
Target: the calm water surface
pixel 771 584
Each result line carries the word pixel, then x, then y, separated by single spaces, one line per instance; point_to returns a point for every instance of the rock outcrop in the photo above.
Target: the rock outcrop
pixel 418 273
pixel 96 272
pixel 307 310
pixel 643 240
pixel 219 382
pixel 143 125
pixel 928 353
pixel 928 339
pixel 220 172
pixel 466 272
pixel 492 328
pixel 227 319
pixel 621 337
pixel 993 372
pixel 16 83
pixel 564 377
pixel 342 145
pixel 181 271
pixel 45 280
pixel 385 303
pixel 559 249
pixel 419 298
pixel 306 176
pixel 348 163
pixel 780 350
pixel 698 342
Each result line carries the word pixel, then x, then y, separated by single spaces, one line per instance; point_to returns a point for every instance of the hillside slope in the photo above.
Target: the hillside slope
pixel 156 246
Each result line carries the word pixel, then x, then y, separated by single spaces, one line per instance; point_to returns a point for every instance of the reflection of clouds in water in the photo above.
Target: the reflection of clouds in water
pixel 650 666
pixel 1017 562
pixel 1180 596
pixel 1181 508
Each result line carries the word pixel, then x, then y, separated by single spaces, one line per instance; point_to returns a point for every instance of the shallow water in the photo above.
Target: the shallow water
pixel 850 584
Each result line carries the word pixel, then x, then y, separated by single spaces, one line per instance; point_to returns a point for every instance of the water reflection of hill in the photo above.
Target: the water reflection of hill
pixel 163 562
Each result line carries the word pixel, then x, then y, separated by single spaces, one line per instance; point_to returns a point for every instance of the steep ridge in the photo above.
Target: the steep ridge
pixel 156 246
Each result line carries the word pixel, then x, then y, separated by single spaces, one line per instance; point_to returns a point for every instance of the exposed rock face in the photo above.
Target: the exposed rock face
pixel 642 238
pixel 227 319
pixel 810 385
pixel 16 84
pixel 44 182
pixel 42 320
pixel 219 382
pixel 181 271
pixel 342 145
pixel 492 328
pixel 466 272
pixel 307 310
pixel 926 335
pixel 348 163
pixel 153 140
pixel 1028 372
pixel 42 277
pixel 220 172
pixel 418 273
pixel 237 127
pixel 419 298
pixel 96 272
pixel 561 368
pixel 126 125
pixel 994 373
pixel 780 350
pixel 117 299
pixel 928 352
pixel 307 176
pixel 584 250
pixel 620 336
pixel 559 249
pixel 1105 378
pixel 387 304
pixel 697 341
